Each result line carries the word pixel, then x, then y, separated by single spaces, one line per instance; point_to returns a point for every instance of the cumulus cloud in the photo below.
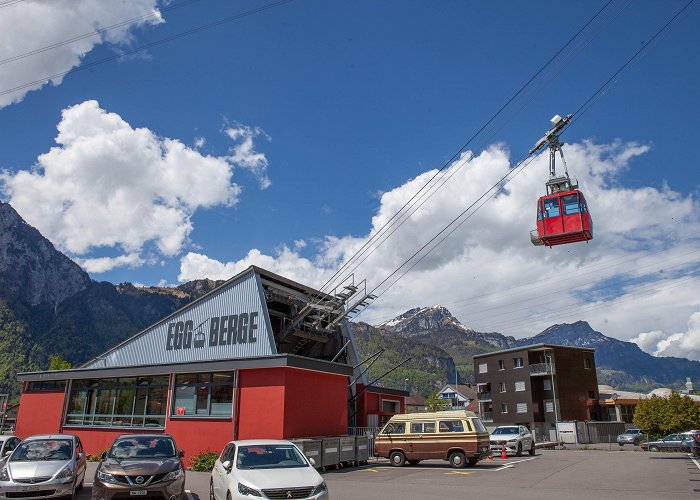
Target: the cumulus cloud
pixel 108 184
pixel 637 273
pixel 243 153
pixel 682 344
pixel 34 24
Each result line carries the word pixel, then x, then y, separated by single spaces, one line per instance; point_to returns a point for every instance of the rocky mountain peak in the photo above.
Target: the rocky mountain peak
pixel 421 319
pixel 30 267
pixel 579 334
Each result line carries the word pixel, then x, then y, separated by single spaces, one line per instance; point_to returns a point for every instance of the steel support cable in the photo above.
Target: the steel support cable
pixel 635 57
pixel 584 270
pixel 150 45
pixel 589 100
pixel 7 3
pixel 456 155
pixel 647 291
pixel 445 178
pixel 96 32
pixel 559 292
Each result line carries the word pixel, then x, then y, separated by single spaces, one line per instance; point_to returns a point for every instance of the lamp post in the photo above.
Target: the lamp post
pixel 554 397
pixel 405 384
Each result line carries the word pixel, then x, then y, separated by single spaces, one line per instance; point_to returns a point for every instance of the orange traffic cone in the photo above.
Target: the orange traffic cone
pixel 504 455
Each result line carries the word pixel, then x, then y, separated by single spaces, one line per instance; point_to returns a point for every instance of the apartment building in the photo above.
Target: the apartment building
pixel 537 386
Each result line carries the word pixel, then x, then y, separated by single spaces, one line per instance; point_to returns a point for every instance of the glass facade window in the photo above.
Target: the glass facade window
pixel 517 362
pixel 118 402
pixel 571 204
pixel 203 395
pixel 551 208
pixel 46 385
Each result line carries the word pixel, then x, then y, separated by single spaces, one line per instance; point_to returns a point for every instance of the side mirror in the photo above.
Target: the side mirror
pixel 312 462
pixel 227 465
pixel 80 455
pixel 181 453
pixel 103 455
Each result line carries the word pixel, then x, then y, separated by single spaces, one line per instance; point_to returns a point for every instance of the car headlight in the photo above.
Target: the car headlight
pixel 320 488
pixel 247 490
pixel 64 473
pixel 105 477
pixel 171 476
pixel 4 474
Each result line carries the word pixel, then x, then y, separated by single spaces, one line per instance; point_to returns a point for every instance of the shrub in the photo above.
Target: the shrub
pixel 96 457
pixel 204 461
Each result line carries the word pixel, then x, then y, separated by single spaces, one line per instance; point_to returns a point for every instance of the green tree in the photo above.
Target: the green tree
pixel 666 415
pixel 435 403
pixel 56 362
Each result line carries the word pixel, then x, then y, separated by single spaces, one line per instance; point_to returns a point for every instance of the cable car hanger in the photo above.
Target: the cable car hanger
pixel 562 214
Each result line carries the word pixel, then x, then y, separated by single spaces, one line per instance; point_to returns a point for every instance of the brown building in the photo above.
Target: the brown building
pixel 537 386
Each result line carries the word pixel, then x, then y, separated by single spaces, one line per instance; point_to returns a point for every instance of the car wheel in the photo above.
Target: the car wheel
pixel 211 490
pixel 653 448
pixel 80 486
pixel 621 444
pixel 414 462
pixel 519 452
pixel 532 449
pixel 636 442
pixel 397 458
pixel 457 459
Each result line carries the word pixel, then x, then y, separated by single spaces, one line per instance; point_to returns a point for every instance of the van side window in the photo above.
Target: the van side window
pixel 469 426
pixel 422 427
pixel 395 428
pixel 451 426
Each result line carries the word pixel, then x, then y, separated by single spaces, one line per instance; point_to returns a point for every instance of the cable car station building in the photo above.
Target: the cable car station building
pixel 258 357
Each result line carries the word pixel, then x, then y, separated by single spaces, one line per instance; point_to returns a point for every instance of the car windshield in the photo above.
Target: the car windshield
pixel 632 431
pixel 142 447
pixel 269 457
pixel 43 449
pixel 506 430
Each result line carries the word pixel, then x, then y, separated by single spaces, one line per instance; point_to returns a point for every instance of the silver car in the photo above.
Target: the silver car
pixel 514 438
pixel 44 466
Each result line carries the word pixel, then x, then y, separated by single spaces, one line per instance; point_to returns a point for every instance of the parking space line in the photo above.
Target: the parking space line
pixel 370 470
pixel 511 464
pixel 695 462
pixel 460 472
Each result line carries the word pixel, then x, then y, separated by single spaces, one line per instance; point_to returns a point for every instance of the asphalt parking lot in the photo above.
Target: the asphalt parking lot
pixel 551 474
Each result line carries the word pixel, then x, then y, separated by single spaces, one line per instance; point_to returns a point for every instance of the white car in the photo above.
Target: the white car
pixel 267 469
pixel 517 438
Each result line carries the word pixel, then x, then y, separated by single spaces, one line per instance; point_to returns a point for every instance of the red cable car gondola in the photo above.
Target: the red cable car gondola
pixel 562 214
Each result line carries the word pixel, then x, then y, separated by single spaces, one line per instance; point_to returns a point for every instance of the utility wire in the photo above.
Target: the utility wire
pixel 149 45
pixel 96 32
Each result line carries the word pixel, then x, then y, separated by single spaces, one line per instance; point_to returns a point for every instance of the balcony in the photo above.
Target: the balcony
pixel 542 369
pixel 484 396
pixel 487 416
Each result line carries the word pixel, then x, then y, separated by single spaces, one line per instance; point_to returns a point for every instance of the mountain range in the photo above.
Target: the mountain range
pixel 50 306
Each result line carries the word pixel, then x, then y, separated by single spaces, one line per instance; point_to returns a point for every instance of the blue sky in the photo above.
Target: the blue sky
pixel 285 137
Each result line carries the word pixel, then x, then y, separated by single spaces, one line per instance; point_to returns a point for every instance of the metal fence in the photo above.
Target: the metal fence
pixel 370 432
pixel 598 432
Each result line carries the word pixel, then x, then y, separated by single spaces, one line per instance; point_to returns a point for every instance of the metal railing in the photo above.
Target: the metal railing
pixel 487 416
pixel 370 432
pixel 483 396
pixel 542 369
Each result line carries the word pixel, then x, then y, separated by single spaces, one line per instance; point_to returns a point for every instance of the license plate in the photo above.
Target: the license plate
pixel 30 488
pixel 136 493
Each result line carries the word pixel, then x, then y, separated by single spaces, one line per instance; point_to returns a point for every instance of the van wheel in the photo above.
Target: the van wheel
pixel 519 453
pixel 457 459
pixel 397 458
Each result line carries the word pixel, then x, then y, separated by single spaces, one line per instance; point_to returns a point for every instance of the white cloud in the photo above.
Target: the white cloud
pixel 683 344
pixel 634 276
pixel 34 24
pixel 243 153
pixel 108 184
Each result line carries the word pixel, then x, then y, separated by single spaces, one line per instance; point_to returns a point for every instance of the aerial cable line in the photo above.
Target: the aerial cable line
pixel 504 179
pixel 447 164
pixel 96 32
pixel 646 291
pixel 147 46
pixel 612 80
pixel 584 270
pixel 9 2
pixel 474 318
